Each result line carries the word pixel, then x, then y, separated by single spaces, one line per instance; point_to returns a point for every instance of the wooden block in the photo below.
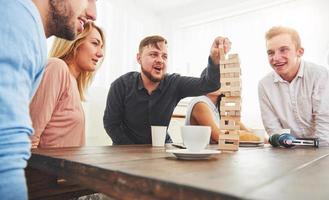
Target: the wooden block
pixel 230 89
pixel 236 119
pixel 230 60
pixel 229 66
pixel 231 74
pixel 231 70
pixel 234 83
pixel 235 79
pixel 232 65
pixel 237 113
pixel 233 132
pixel 232 93
pixel 237 74
pixel 230 113
pixel 236 93
pixel 228 124
pixel 228 141
pixel 233 55
pixel 230 82
pixel 236 100
pixel 234 108
pixel 230 127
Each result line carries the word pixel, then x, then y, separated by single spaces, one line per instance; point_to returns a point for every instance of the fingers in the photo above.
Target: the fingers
pixel 222 42
pixel 227 45
pixel 220 47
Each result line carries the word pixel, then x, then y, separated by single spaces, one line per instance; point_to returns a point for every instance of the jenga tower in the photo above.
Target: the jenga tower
pixel 230 105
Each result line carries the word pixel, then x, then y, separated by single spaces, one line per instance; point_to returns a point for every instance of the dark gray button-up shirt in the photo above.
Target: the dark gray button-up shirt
pixel 130 110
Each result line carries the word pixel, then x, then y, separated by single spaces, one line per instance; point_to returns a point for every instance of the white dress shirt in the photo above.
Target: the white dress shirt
pixel 301 106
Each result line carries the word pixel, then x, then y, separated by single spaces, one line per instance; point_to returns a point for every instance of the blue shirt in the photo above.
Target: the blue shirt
pixel 23 54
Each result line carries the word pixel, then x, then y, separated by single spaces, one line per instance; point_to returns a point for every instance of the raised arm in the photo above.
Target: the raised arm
pixel 209 81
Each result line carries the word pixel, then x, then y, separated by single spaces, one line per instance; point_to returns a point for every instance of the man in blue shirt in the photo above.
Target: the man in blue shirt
pixel 25 25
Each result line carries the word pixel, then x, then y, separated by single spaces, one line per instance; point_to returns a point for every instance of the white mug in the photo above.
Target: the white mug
pixel 196 138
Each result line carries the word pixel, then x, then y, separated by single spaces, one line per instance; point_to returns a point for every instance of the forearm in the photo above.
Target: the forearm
pixel 208 82
pixel 117 133
pixel 212 77
pixel 322 128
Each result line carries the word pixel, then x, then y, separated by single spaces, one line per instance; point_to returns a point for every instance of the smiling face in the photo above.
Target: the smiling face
pixel 66 18
pixel 153 61
pixel 284 56
pixel 90 52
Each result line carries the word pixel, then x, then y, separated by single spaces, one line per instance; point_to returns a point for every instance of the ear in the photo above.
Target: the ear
pixel 300 52
pixel 138 57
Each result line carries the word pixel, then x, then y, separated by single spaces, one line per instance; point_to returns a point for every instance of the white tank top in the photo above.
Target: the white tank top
pixel 211 105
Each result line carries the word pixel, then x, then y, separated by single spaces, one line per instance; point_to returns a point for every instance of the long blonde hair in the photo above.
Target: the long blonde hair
pixel 67 51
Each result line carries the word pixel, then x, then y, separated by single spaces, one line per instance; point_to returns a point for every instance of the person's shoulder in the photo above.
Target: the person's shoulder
pixel 57 64
pixel 20 8
pixel 57 67
pixel 198 99
pixel 202 98
pixel 126 78
pixel 316 69
pixel 267 79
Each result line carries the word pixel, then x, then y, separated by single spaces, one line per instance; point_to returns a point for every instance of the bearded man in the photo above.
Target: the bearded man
pixel 25 25
pixel 136 101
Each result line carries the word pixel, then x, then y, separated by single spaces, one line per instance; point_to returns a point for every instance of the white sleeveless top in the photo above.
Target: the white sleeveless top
pixel 211 105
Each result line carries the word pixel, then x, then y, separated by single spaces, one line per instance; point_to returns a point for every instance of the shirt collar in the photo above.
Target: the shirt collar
pixel 300 73
pixel 141 84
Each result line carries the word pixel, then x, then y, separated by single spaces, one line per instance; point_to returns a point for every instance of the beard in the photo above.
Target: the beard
pixel 59 20
pixel 152 78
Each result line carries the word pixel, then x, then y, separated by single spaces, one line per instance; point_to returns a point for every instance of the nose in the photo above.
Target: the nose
pixel 100 53
pixel 91 10
pixel 276 55
pixel 160 59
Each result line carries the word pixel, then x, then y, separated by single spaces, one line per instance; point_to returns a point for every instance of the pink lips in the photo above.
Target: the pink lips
pixel 95 61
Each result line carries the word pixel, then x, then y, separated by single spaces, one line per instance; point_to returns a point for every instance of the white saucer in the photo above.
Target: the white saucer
pixel 188 155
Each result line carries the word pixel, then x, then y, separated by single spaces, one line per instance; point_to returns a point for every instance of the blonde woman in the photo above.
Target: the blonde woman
pixel 56 111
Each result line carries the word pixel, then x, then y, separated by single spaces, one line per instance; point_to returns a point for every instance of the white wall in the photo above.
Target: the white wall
pixel 190 32
pixel 245 24
pixel 125 23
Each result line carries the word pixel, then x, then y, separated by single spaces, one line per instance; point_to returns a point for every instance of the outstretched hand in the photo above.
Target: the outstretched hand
pixel 219 48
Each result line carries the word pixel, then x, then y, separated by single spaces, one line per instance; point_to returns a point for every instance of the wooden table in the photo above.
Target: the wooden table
pixel 145 172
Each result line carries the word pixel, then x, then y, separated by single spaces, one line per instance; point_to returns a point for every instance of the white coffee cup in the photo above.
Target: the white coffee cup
pixel 196 138
pixel 158 135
